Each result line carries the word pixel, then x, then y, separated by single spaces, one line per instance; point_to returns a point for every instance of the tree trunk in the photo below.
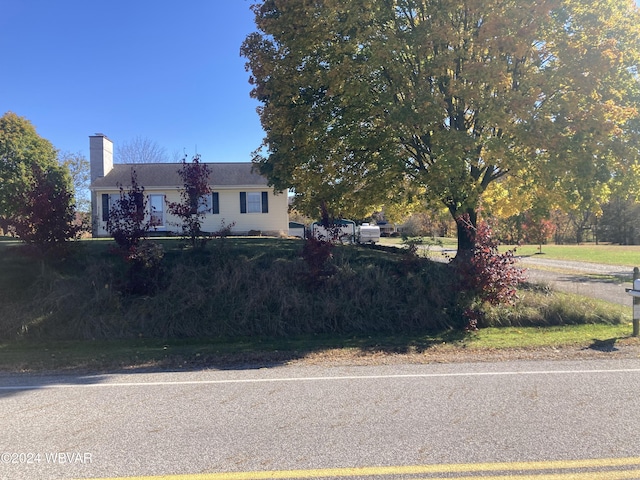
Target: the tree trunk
pixel 4 226
pixel 466 225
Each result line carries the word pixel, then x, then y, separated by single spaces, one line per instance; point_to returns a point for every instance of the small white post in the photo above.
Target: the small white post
pixel 636 305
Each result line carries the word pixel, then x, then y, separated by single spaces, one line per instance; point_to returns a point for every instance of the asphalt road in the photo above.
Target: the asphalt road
pixel 394 421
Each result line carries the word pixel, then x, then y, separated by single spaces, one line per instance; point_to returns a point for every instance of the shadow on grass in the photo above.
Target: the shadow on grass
pixel 402 343
pixel 608 345
pixel 247 354
pixel 29 366
pixel 238 354
pixel 617 278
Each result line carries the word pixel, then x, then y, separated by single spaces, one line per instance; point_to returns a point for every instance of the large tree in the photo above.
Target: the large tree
pixel 361 98
pixel 21 151
pixel 140 150
pixel 80 172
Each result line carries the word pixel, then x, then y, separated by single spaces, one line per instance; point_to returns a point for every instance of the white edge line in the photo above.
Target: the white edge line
pixel 310 379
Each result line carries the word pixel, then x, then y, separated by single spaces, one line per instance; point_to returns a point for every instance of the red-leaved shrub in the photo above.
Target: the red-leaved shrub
pixel 45 218
pixel 488 275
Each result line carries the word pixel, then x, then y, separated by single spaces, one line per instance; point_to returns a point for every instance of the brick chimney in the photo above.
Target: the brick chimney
pixel 101 162
pixel 100 155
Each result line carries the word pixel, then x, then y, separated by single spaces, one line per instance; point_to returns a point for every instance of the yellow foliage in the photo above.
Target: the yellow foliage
pixel 505 104
pixel 500 202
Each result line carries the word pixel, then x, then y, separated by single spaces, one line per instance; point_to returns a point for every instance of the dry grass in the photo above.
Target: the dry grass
pixel 257 287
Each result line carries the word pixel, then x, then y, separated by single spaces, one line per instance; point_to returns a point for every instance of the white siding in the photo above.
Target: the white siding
pixel 275 222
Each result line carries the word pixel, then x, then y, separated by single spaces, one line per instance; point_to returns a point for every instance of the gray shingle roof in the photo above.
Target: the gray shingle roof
pixel 166 175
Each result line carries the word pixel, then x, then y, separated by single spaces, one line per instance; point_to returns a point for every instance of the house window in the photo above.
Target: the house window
pixel 254 202
pixel 204 204
pixel 109 202
pixel 209 204
pixel 215 203
pixel 156 209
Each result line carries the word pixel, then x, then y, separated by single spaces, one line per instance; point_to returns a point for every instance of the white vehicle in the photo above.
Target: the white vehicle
pixel 367 233
pixel 345 230
pixel 296 229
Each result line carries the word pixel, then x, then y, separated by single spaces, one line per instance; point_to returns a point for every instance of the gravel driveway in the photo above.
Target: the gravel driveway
pixel 595 280
pixel 606 282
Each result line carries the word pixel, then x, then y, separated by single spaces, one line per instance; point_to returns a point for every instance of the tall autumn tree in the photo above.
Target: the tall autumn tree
pixel 22 151
pixel 358 98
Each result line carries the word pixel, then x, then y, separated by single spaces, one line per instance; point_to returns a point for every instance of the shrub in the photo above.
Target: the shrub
pixel 193 205
pixel 126 222
pixel 144 272
pixel 317 250
pixel 488 275
pixel 224 230
pixel 128 225
pixel 46 215
pixel 317 254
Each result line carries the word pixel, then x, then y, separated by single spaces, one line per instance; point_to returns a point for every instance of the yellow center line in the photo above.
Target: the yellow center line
pixel 625 463
pixel 610 475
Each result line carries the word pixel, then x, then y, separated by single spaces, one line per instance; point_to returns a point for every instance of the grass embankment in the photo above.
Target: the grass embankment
pixel 250 296
pixel 235 287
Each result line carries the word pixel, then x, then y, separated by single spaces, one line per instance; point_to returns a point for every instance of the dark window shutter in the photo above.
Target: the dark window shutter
pixel 138 199
pixel 215 203
pixel 105 207
pixel 243 202
pixel 265 202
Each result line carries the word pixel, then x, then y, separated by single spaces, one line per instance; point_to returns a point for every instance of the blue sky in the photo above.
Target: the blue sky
pixel 166 70
pixel 169 71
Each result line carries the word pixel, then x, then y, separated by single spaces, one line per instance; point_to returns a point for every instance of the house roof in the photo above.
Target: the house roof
pixel 166 175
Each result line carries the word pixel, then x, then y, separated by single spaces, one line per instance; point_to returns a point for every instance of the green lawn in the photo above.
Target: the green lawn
pixel 439 241
pixel 628 255
pixel 104 355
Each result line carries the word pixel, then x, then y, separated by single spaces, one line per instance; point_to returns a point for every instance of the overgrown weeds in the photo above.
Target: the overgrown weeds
pixel 542 307
pixel 246 287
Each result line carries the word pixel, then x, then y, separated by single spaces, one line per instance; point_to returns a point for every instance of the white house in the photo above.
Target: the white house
pixel 240 196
